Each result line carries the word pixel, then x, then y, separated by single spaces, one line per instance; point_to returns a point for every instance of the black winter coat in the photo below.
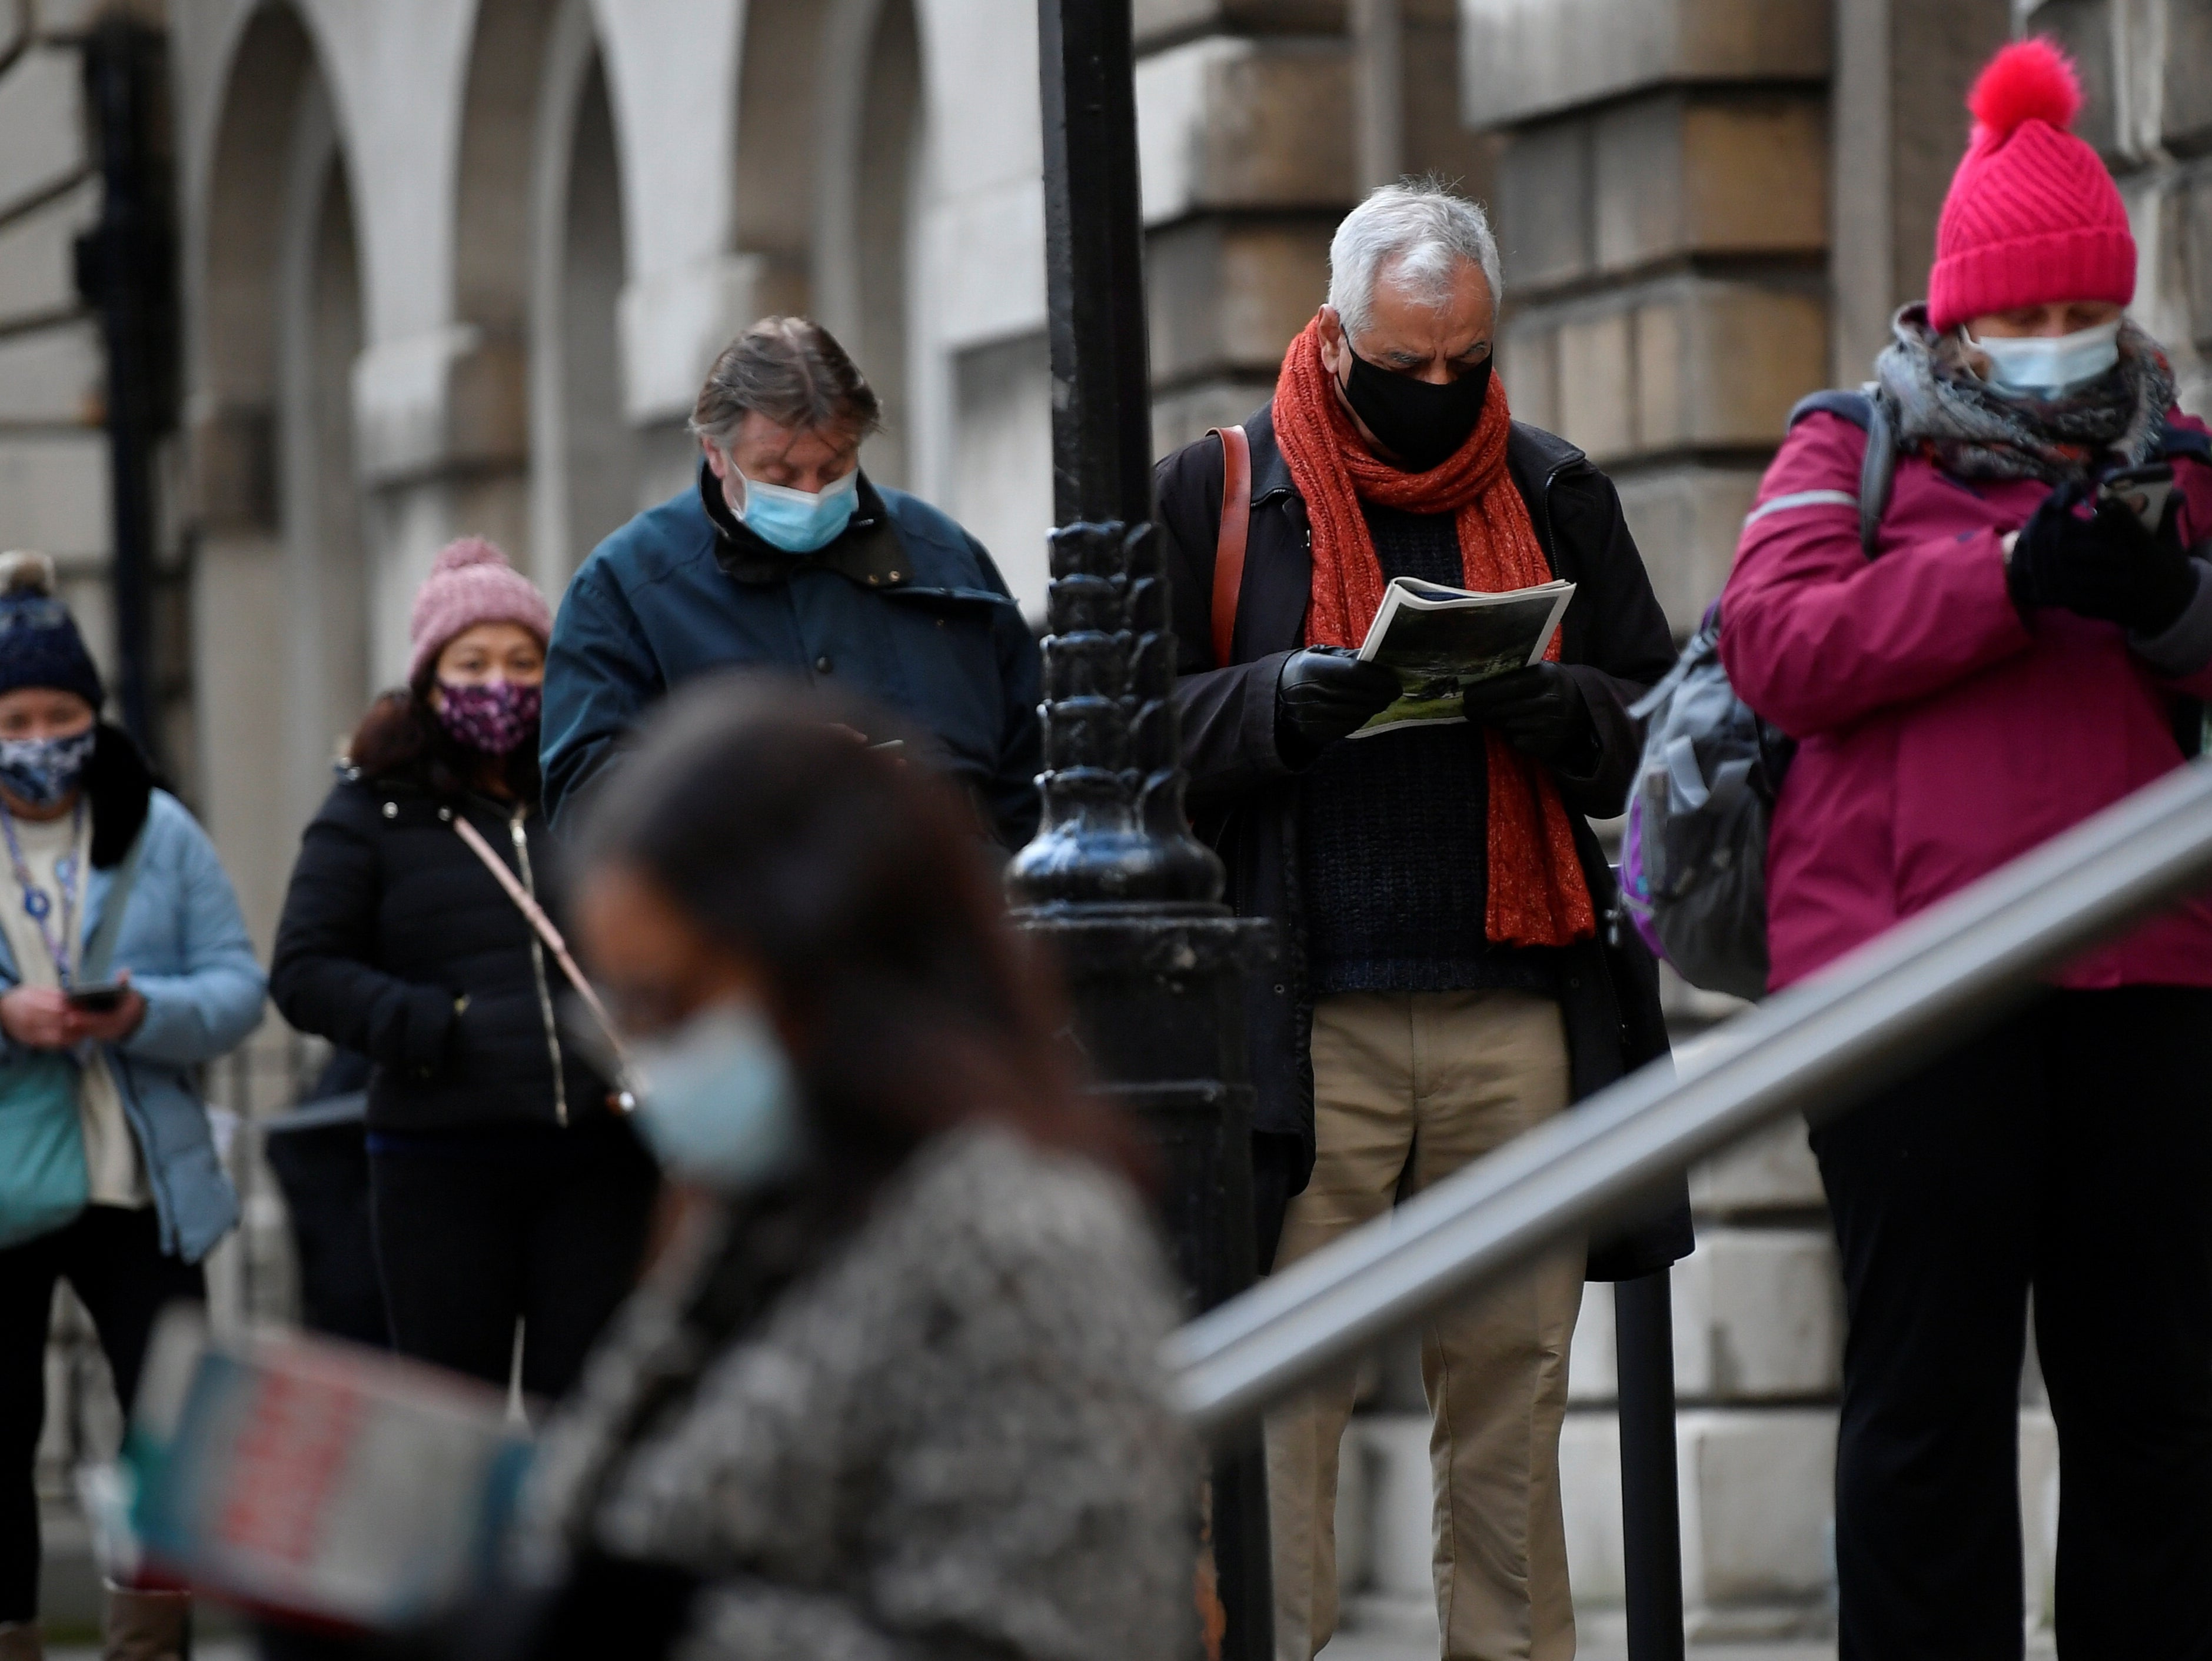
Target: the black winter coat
pixel 1243 795
pixel 398 943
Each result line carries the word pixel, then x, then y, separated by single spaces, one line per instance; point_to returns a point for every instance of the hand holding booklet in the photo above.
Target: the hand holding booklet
pixel 1442 640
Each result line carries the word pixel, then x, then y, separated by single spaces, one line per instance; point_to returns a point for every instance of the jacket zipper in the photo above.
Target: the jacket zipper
pixel 537 967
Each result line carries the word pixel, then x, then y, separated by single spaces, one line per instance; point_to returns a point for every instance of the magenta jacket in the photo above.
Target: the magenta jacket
pixel 1940 735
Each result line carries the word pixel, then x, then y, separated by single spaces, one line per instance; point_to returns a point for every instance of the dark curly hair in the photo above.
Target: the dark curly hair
pixel 401 738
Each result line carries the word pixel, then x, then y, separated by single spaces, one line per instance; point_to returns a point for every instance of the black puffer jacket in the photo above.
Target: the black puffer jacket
pixel 398 943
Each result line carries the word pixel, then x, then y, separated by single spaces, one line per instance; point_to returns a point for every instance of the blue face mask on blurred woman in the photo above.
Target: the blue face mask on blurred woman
pixel 800 521
pixel 718 1101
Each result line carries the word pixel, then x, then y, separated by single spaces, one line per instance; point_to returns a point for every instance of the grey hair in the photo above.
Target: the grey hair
pixel 1424 228
pixel 791 370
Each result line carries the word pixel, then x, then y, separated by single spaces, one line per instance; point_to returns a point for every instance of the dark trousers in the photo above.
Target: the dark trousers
pixel 477 1230
pixel 2068 1152
pixel 113 1260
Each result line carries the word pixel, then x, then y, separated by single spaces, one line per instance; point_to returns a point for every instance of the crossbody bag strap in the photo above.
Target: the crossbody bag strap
pixel 535 915
pixel 99 950
pixel 1228 545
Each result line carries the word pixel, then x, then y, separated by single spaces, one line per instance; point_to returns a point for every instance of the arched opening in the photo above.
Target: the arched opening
pixel 888 166
pixel 320 504
pixel 585 474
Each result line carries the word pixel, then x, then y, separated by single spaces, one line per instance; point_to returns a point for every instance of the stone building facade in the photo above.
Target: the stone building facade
pixel 456 265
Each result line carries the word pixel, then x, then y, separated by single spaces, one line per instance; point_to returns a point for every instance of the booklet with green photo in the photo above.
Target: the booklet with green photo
pixel 1442 640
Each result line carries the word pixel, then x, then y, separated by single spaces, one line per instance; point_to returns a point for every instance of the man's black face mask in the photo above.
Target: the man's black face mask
pixel 1418 421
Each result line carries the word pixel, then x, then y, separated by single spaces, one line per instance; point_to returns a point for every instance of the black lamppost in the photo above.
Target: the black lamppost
pixel 1128 900
pixel 122 267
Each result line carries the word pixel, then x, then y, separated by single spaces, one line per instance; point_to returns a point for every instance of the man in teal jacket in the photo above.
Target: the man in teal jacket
pixel 787 558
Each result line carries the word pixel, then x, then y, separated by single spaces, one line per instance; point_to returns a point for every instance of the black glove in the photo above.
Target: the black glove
pixel 1538 710
pixel 2104 565
pixel 1326 692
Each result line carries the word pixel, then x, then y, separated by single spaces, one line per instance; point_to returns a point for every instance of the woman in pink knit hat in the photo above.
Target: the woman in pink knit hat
pixel 506 1185
pixel 2017 636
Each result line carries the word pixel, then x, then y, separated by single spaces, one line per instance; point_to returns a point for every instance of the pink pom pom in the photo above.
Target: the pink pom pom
pixel 2030 80
pixel 466 551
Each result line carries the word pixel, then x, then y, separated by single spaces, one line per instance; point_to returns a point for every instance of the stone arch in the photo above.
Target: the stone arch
pixel 584 462
pixel 279 619
pixel 869 176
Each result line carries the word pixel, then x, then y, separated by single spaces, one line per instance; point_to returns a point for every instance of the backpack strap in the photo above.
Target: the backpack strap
pixel 1872 416
pixel 2186 441
pixel 1228 545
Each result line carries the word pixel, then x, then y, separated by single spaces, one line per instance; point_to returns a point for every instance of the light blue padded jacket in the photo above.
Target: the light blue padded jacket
pixel 185 943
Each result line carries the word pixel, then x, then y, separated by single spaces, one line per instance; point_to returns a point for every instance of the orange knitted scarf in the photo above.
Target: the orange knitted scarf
pixel 1538 895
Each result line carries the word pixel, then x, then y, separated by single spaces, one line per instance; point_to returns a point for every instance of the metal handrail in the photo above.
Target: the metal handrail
pixel 1816 1048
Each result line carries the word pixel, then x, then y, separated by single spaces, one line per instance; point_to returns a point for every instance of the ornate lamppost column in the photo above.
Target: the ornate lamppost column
pixel 1127 898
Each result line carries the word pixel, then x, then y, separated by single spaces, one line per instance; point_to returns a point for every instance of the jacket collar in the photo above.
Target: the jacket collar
pixel 867 551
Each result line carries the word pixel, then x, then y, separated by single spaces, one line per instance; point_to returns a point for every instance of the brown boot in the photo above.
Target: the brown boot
pixel 146 1626
pixel 19 1641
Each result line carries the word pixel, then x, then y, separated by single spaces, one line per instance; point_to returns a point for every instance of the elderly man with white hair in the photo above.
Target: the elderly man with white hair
pixel 1448 977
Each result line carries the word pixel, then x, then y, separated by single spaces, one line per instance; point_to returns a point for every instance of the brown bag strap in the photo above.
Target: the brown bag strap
pixel 1229 546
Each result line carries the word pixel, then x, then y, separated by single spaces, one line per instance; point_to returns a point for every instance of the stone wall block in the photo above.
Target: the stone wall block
pixel 1723 362
pixel 674 324
pixel 1161 22
pixel 1757 1497
pixel 1232 122
pixel 1545 232
pixel 1179 416
pixel 1528 366
pixel 1772 1171
pixel 1225 296
pixel 1596 401
pixel 2084 28
pixel 1758 1316
pixel 2186 104
pixel 53 493
pixel 1686 520
pixel 44 139
pixel 1522 58
pixel 2191 233
pixel 455 397
pixel 53 376
pixel 1676 175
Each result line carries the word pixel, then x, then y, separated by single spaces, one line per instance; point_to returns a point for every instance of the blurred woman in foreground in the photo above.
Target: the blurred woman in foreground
pixel 893 1391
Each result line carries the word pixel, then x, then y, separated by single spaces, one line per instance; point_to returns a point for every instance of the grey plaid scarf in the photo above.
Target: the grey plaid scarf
pixel 1946 411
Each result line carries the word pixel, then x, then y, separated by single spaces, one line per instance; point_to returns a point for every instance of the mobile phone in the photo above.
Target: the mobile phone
pixel 104 998
pixel 2141 490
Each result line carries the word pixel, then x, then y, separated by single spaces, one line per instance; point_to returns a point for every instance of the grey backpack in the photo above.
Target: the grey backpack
pixel 1693 861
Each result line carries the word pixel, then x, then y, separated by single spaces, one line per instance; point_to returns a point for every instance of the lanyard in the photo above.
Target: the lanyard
pixel 36 902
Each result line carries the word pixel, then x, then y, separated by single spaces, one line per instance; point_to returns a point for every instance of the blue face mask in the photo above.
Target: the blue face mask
pixel 42 771
pixel 717 1100
pixel 2049 365
pixel 800 521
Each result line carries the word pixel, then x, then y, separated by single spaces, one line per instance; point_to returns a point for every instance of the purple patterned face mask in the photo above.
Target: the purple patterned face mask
pixel 492 716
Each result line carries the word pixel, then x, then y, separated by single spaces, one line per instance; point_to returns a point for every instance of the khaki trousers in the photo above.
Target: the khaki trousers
pixel 1409 1087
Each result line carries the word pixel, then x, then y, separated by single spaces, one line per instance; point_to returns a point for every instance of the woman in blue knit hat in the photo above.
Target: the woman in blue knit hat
pixel 123 966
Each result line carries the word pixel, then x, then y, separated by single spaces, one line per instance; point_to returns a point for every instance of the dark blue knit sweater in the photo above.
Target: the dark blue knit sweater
pixel 1395 833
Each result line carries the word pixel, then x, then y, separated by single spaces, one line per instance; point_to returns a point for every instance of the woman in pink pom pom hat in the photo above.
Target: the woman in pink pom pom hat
pixel 505 1183
pixel 2023 638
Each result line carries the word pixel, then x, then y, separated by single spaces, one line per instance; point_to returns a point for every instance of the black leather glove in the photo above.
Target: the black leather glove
pixel 1326 692
pixel 1538 710
pixel 2104 565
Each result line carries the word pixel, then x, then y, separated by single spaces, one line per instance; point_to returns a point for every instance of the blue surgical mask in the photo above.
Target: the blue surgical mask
pixel 800 521
pixel 2049 366
pixel 42 771
pixel 717 1100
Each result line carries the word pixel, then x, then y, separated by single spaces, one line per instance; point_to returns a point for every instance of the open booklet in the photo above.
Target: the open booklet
pixel 1442 640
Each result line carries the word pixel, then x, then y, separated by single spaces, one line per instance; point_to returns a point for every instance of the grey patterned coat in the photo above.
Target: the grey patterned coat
pixel 949 1438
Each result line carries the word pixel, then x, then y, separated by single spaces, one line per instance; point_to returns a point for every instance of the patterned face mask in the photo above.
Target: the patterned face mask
pixel 495 717
pixel 42 771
